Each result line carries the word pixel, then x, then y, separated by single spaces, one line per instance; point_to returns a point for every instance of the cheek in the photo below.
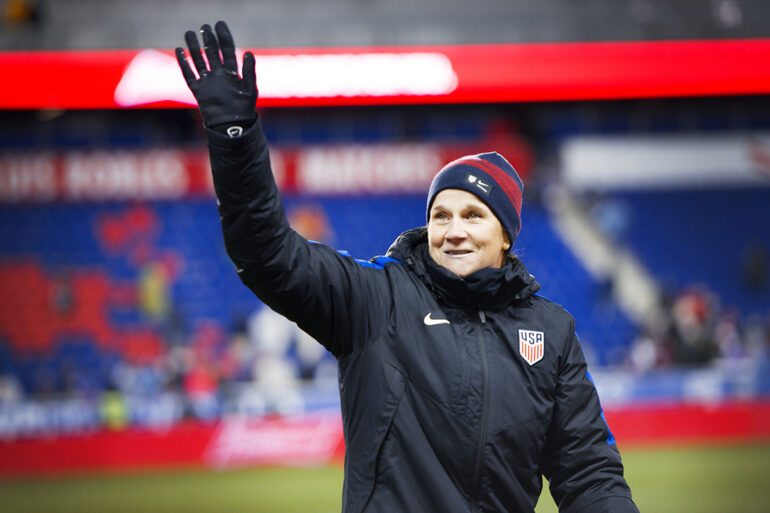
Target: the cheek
pixel 435 236
pixel 493 239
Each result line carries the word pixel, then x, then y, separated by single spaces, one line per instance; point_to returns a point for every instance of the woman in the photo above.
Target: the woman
pixel 459 386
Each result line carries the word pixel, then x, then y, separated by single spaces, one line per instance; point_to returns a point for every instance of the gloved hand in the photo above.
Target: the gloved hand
pixel 225 100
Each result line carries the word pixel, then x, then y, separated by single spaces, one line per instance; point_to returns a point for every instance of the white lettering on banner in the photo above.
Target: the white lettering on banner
pixel 55 416
pixel 154 76
pixel 22 418
pixel 382 168
pixel 309 439
pixel 102 175
pixel 350 75
pixel 27 177
pixel 163 410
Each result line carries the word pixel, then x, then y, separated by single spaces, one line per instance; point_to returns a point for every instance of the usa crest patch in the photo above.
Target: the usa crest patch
pixel 531 345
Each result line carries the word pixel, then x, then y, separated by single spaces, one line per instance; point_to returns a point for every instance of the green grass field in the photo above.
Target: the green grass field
pixel 731 479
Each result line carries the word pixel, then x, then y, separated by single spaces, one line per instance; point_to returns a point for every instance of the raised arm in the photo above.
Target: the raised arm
pixel 332 297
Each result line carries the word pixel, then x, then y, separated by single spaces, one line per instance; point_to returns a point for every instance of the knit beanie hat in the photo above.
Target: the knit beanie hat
pixel 492 179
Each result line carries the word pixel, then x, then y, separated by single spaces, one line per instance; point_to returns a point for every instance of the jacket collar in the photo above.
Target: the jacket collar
pixel 488 288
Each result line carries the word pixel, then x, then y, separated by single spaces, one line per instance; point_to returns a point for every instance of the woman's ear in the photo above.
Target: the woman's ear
pixel 506 241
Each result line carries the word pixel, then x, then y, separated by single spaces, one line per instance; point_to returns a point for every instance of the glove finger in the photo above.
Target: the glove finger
pixel 195 52
pixel 249 73
pixel 188 74
pixel 227 46
pixel 211 47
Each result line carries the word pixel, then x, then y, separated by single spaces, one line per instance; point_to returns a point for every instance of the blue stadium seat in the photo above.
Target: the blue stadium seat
pixel 701 237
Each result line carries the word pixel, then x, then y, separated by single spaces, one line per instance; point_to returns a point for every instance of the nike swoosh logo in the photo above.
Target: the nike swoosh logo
pixel 432 322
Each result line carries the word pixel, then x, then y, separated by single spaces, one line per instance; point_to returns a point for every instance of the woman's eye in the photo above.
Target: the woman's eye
pixel 474 215
pixel 440 216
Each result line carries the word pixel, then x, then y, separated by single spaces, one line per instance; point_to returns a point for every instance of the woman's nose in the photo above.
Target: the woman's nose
pixel 455 230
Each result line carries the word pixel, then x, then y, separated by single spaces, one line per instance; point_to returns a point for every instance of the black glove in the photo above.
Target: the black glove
pixel 225 100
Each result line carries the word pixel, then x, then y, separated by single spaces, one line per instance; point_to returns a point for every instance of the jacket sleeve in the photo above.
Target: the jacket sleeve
pixel 581 460
pixel 332 297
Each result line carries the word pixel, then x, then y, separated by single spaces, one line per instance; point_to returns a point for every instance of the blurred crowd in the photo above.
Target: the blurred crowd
pixel 693 328
pixel 263 364
pixel 261 367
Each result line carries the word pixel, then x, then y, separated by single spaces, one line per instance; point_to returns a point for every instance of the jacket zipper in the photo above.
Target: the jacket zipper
pixel 484 414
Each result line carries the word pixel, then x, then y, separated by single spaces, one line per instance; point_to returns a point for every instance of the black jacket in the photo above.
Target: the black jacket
pixel 441 411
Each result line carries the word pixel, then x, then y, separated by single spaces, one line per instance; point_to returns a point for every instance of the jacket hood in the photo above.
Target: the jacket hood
pixel 489 288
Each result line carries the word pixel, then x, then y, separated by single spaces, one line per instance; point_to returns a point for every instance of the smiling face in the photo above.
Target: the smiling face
pixel 464 235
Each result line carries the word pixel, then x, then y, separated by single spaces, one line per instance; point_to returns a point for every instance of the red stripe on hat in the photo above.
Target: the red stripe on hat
pixel 509 185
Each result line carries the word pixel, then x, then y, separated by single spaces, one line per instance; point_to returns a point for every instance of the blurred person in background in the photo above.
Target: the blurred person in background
pixel 459 386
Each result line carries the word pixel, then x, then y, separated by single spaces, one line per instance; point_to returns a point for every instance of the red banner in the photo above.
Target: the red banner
pixel 103 175
pixel 305 440
pixel 696 423
pixel 173 174
pixel 317 439
pixel 400 75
